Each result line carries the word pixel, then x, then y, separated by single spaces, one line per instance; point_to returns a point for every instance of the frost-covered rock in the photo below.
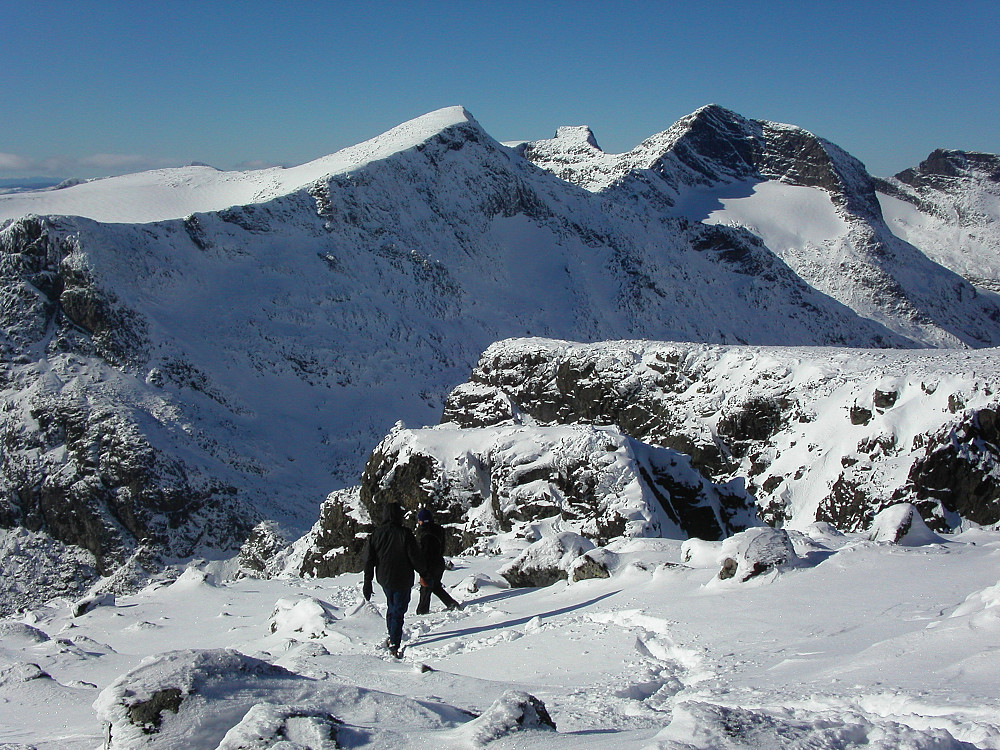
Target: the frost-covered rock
pixel 514 711
pixel 272 727
pixel 305 617
pixel 546 561
pixel 222 698
pixel 754 552
pixel 85 605
pixel 902 524
pixel 483 481
pixel 595 563
pixel 783 420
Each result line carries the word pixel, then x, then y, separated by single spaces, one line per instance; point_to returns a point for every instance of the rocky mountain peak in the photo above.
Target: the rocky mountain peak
pixel 577 135
pixel 949 163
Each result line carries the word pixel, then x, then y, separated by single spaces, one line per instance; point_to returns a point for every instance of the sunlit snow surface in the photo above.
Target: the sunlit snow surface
pixel 862 644
pixel 174 193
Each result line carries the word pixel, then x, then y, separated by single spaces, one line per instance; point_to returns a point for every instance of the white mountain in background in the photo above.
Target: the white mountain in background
pixel 949 207
pixel 188 352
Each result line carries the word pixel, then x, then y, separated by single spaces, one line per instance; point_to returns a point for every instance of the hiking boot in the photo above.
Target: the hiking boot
pixel 394 652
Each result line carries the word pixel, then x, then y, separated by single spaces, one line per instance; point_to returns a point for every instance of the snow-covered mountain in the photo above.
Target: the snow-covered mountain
pixel 188 352
pixel 949 207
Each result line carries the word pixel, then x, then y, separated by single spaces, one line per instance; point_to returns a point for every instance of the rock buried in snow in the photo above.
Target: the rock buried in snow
pixel 546 561
pixel 140 704
pixel 756 551
pixel 269 726
pixel 513 711
pixel 83 606
pixel 220 698
pixel 901 524
pixel 301 618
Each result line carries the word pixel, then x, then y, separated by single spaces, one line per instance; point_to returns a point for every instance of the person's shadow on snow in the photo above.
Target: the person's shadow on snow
pixel 460 632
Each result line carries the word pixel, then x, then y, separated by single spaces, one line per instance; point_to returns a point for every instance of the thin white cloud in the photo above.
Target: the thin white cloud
pixel 13 163
pixel 92 165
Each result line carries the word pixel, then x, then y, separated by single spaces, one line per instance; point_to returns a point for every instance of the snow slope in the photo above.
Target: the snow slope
pixel 175 193
pixel 949 207
pixel 861 645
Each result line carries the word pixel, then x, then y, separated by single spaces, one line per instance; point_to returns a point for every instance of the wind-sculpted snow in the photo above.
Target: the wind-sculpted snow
pixel 168 385
pixel 821 434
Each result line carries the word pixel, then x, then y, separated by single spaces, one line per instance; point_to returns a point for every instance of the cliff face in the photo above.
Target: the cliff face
pixel 820 434
pixel 482 481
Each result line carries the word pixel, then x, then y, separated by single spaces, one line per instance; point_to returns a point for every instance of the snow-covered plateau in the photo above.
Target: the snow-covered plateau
pixel 845 642
pixel 756 505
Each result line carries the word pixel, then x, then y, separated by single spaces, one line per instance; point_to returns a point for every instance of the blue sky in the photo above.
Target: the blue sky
pixel 94 88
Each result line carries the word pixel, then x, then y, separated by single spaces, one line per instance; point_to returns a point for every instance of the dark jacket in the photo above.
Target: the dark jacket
pixel 391 552
pixel 430 540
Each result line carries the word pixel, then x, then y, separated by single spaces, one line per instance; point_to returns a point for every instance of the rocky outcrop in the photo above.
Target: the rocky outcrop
pixel 593 483
pixel 817 434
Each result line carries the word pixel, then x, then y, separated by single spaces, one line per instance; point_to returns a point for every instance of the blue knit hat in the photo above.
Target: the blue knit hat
pixel 424 515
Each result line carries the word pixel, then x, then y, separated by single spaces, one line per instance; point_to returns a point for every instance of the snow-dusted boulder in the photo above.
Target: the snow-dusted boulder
pixel 169 693
pixel 277 727
pixel 222 698
pixel 596 563
pixel 546 561
pixel 755 551
pixel 82 606
pixel 902 524
pixel 514 711
pixel 305 617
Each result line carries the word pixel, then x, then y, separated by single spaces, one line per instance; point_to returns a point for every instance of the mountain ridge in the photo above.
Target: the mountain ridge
pixel 171 383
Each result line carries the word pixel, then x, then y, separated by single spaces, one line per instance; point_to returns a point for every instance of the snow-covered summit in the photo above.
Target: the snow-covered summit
pixel 162 194
pixel 949 207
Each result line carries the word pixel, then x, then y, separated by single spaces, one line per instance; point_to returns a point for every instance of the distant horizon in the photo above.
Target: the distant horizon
pixel 104 87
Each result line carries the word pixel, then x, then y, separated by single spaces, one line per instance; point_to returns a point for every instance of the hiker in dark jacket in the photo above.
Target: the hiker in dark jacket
pixel 430 539
pixel 391 555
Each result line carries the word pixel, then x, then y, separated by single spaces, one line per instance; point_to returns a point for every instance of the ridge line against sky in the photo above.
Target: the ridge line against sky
pixel 92 88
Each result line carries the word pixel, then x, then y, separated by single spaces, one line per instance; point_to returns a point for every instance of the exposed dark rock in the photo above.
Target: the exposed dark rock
pixel 338 538
pixel 959 471
pixel 148 714
pixel 860 415
pixel 885 399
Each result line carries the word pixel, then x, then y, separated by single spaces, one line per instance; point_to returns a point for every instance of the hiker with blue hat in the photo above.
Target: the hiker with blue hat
pixel 430 539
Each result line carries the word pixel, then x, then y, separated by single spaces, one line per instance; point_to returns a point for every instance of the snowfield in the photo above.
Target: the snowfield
pixel 857 644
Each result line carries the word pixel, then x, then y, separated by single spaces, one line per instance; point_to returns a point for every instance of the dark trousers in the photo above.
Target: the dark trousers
pixel 397 600
pixel 433 587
